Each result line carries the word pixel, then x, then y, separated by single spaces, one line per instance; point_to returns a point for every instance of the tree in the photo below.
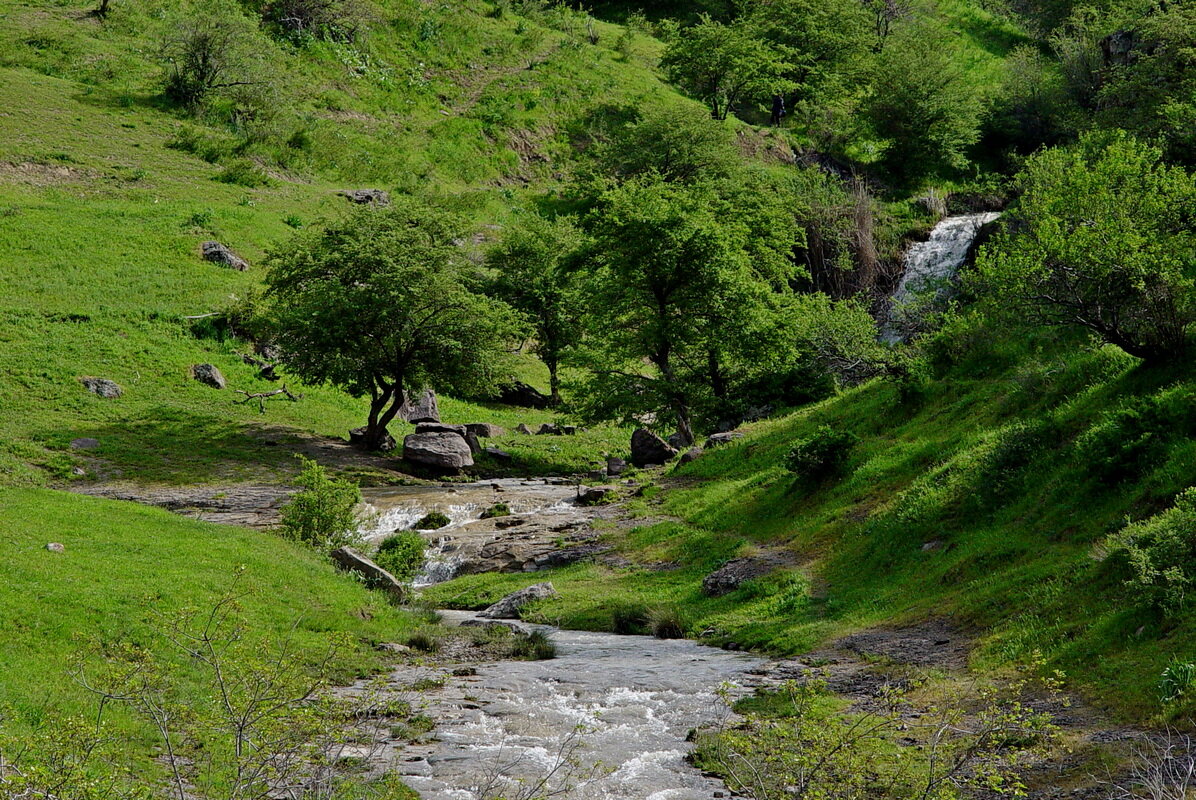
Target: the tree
pixel 323 513
pixel 208 53
pixel 1101 239
pixel 678 279
pixel 725 64
pixel 825 41
pixel 535 275
pixel 676 141
pixel 379 302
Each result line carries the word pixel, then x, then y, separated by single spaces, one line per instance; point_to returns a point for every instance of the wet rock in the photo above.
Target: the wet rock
pixel 350 560
pixel 615 466
pixel 716 439
pixel 691 455
pixel 85 443
pixel 736 572
pixel 524 429
pixel 649 449
pixel 596 495
pixel 218 253
pixel 56 547
pixel 485 430
pixel 358 440
pixel 102 386
pixel 521 394
pixel 498 455
pixel 363 197
pixel 515 627
pixel 511 605
pixel 441 451
pixel 208 374
pixel 424 409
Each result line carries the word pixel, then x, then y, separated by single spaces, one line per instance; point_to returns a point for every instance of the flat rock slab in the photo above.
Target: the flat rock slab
pixel 934 643
pixel 85 443
pixel 102 386
pixel 350 560
pixel 255 506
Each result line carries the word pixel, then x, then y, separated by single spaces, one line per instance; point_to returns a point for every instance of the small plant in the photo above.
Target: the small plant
pixel 497 510
pixel 666 622
pixel 293 221
pixel 1160 553
pixel 402 554
pixel 1177 681
pixel 431 521
pixel 323 513
pixel 425 641
pixel 821 455
pixel 629 619
pixel 536 646
pixel 243 172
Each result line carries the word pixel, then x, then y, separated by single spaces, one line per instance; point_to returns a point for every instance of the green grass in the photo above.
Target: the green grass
pixel 128 568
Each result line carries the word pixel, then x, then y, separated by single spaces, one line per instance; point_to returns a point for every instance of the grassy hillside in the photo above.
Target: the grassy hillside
pixel 985 498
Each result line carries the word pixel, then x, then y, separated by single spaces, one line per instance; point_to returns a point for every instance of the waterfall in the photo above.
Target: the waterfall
pixel 929 265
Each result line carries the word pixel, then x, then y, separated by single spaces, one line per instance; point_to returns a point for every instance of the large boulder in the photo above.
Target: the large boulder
pixel 218 253
pixel 615 466
pixel 423 409
pixel 511 605
pixel 463 431
pixel 485 430
pixel 358 440
pixel 649 449
pixel 102 386
pixel 521 394
pixel 350 560
pixel 441 451
pixel 209 375
pixel 691 455
pixel 736 572
pixel 363 197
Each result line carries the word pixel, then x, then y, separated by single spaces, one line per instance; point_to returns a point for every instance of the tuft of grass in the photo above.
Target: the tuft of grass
pixel 535 646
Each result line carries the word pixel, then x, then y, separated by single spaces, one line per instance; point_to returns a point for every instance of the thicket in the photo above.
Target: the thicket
pixel 324 512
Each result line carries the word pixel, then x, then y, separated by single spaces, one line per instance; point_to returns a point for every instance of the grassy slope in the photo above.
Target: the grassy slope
pixel 126 566
pixel 1014 565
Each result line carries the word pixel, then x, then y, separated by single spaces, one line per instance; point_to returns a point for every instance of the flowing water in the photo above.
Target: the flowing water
pixel 608 718
pixel 929 265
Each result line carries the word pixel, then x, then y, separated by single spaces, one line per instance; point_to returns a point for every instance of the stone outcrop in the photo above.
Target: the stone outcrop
pixel 484 430
pixel 102 386
pixel 350 560
pixel 691 455
pixel 717 439
pixel 85 443
pixel 521 394
pixel 218 253
pixel 440 451
pixel 209 375
pixel 421 409
pixel 363 197
pixel 648 449
pixel 736 572
pixel 498 455
pixel 595 495
pixel 615 466
pixel 511 606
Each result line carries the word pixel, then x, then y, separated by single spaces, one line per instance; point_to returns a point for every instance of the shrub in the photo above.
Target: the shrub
pixel 1160 553
pixel 425 641
pixel 536 646
pixel 497 510
pixel 402 555
pixel 431 521
pixel 323 513
pixel 820 455
pixel 666 622
pixel 629 618
pixel 1177 679
pixel 1126 441
pixel 243 172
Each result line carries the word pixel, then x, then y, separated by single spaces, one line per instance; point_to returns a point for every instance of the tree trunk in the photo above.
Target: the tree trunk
pixel 384 395
pixel 677 400
pixel 554 384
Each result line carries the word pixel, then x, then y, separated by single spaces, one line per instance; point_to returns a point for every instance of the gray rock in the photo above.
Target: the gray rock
pixel 691 455
pixel 734 573
pixel 209 375
pixel 350 560
pixel 485 430
pixel 649 449
pixel 56 547
pixel 440 427
pixel 548 429
pixel 514 627
pixel 475 446
pixel 511 605
pixel 362 197
pixel 615 466
pixel 102 386
pixel 220 254
pixel 424 409
pixel 521 394
pixel 85 443
pixel 78 472
pixel 678 442
pixel 498 455
pixel 524 429
pixel 441 451
pixel 568 430
pixel 722 438
pixel 594 495
pixel 357 439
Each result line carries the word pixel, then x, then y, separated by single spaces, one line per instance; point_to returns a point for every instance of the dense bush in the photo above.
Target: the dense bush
pixel 1128 440
pixel 402 554
pixel 1160 553
pixel 667 622
pixel 497 510
pixel 629 618
pixel 324 512
pixel 820 455
pixel 535 646
pixel 431 521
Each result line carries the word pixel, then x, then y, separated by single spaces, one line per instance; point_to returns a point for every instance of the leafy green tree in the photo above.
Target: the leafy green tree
pixel 674 140
pixel 725 64
pixel 380 302
pixel 323 513
pixel 678 279
pixel 1101 239
pixel 825 41
pixel 536 275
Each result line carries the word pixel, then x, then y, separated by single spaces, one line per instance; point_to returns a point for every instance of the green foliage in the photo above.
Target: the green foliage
pixel 402 554
pixel 380 302
pixel 1100 240
pixel 1127 441
pixel 822 455
pixel 667 622
pixel 725 64
pixel 431 521
pixel 497 510
pixel 425 640
pixel 535 646
pixel 629 618
pixel 1177 680
pixel 676 141
pixel 1161 555
pixel 323 513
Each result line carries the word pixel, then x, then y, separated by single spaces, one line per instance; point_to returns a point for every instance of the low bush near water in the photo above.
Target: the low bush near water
pixel 667 622
pixel 324 513
pixel 401 555
pixel 431 521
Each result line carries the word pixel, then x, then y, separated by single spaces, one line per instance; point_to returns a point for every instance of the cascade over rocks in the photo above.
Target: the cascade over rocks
pixel 350 560
pixel 511 605
pixel 208 374
pixel 102 386
pixel 649 449
pixel 218 253
pixel 441 451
